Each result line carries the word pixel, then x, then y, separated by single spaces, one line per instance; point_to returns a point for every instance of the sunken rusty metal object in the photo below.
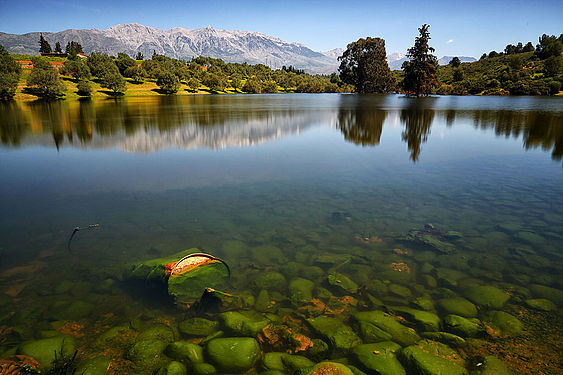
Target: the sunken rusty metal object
pixel 434 238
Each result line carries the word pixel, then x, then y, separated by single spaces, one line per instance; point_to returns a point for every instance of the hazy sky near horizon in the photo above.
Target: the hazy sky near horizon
pixel 457 28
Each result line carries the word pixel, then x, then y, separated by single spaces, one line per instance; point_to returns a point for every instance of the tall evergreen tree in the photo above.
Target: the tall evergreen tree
pixel 44 46
pixel 364 65
pixel 58 48
pixel 72 45
pixel 420 72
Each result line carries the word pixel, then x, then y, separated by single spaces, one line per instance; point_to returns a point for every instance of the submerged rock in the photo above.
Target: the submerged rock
pixel 243 324
pixel 94 366
pixel 234 354
pixel 203 369
pixel 328 368
pixel 185 351
pixel 487 296
pixel 339 336
pixel 432 358
pixel 45 350
pixel 198 327
pixel 300 290
pixel 541 304
pixel 444 337
pixel 147 354
pixel 173 368
pixel 462 326
pixel 270 281
pixel 379 358
pixel 500 323
pixel 341 283
pixel 378 319
pixel 491 365
pixel 425 321
pixel 160 332
pixel 458 306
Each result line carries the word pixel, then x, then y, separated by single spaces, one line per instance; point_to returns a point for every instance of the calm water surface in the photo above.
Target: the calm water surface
pixel 304 185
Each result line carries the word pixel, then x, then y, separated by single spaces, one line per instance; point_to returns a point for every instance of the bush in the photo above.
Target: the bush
pixel 554 87
pixel 115 82
pixel 84 88
pixel 251 86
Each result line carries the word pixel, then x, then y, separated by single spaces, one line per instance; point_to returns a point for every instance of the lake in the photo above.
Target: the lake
pixel 347 221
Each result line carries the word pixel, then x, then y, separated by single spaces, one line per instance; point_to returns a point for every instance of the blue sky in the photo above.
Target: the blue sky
pixel 456 27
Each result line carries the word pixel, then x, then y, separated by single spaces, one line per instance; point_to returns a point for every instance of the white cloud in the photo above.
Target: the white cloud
pixel 450 41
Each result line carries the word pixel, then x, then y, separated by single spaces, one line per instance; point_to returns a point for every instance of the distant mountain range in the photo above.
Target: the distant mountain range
pixel 180 43
pixel 397 59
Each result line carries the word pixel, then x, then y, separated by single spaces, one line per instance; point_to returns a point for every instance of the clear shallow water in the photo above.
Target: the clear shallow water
pixel 308 174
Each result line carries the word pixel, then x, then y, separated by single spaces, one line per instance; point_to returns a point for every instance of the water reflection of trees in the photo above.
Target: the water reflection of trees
pixel 360 119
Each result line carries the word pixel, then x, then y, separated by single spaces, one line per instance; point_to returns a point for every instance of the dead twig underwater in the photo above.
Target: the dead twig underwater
pixel 76 229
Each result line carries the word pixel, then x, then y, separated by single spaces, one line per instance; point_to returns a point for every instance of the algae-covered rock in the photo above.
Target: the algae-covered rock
pixel 425 321
pixel 94 366
pixel 424 302
pixel 173 368
pixel 185 351
pixel 44 350
pixel 203 369
pixel 339 336
pixel 341 283
pixel 270 281
pixel 552 294
pixel 160 332
pixel 491 365
pixel 188 287
pixel 198 327
pixel 243 324
pixel 462 326
pixel 457 306
pixel 500 323
pixel 379 358
pixel 273 361
pixel 399 290
pixel 487 296
pixel 399 333
pixel 296 362
pixel 263 301
pixel 147 354
pixel 234 354
pixel 444 337
pixel 300 290
pixel 541 304
pixel 318 351
pixel 329 368
pixel 429 357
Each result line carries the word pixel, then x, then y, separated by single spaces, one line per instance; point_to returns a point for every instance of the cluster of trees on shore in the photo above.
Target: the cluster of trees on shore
pixel 113 73
pixel 520 70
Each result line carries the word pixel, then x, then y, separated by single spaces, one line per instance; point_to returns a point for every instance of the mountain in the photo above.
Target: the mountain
pixel 397 59
pixel 446 59
pixel 180 43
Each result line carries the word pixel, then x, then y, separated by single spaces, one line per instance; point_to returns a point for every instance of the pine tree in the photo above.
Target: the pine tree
pixel 44 46
pixel 420 72
pixel 58 48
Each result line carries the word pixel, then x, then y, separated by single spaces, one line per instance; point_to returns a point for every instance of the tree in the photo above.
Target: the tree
pixel 420 72
pixel 101 64
pixel 137 73
pixel 77 69
pixel 58 48
pixel 72 45
pixel 549 46
pixel 44 46
pixel 139 56
pixel 364 65
pixel 552 66
pixel 252 86
pixel 235 82
pixel 455 62
pixel 529 47
pixel 193 84
pixel 168 82
pixel 10 72
pixel 44 81
pixel 115 82
pixel 124 62
pixel 214 82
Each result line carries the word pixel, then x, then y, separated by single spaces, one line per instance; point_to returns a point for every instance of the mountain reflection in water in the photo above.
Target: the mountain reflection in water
pixel 156 123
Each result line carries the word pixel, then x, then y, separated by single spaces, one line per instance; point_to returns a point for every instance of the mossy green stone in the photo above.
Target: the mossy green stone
pixel 541 304
pixel 552 294
pixel 432 358
pixel 458 306
pixel 300 290
pixel 147 354
pixel 444 337
pixel 198 327
pixel 77 310
pixel 160 332
pixel 262 301
pixel 399 290
pixel 399 333
pixel 329 368
pixel 379 358
pixel 462 326
pixel 44 350
pixel 173 368
pixel 296 362
pixel 339 336
pixel 270 281
pixel 203 369
pixel 242 324
pixel 185 351
pixel 234 354
pixel 487 296
pixel 341 283
pixel 506 323
pixel 188 287
pixel 273 361
pixel 493 366
pixel 426 321
pixel 94 366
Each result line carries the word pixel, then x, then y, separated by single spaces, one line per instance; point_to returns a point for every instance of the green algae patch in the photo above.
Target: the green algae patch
pixel 45 350
pixel 340 337
pixel 234 354
pixel 399 333
pixel 432 358
pixel 379 358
